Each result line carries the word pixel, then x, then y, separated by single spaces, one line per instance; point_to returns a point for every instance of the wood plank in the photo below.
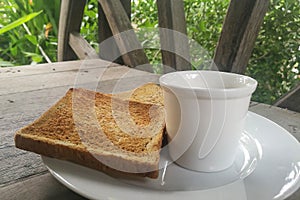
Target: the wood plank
pixel 43 186
pixel 111 52
pixel 81 47
pixel 130 48
pixel 17 164
pixel 239 32
pixel 173 34
pixel 71 13
pixel 29 70
pixel 291 100
pixel 72 78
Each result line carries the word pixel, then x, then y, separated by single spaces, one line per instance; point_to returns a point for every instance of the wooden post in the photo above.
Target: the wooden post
pixel 112 52
pixel 290 100
pixel 71 13
pixel 240 30
pixel 130 48
pixel 81 47
pixel 173 34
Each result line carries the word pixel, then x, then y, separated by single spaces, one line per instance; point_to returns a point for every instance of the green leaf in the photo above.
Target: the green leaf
pixel 32 39
pixel 4 63
pixel 14 51
pixel 35 57
pixel 19 22
pixel 202 26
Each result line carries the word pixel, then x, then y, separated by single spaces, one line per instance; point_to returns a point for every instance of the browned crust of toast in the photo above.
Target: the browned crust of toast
pixel 67 153
pixel 78 153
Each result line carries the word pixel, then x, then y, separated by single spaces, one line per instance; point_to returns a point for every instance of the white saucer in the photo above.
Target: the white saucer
pixel 276 175
pixel 245 162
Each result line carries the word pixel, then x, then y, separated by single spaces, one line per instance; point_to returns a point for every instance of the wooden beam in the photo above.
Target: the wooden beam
pixel 110 52
pixel 71 13
pixel 239 32
pixel 290 100
pixel 68 74
pixel 81 47
pixel 173 34
pixel 130 48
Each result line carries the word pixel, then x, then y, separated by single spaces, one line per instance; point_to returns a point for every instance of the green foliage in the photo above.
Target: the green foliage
pixel 204 21
pixel 204 24
pixel 276 56
pixel 274 62
pixel 89 26
pixel 19 22
pixel 26 44
pixel 144 16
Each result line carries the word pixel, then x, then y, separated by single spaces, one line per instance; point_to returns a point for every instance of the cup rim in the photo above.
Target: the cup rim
pixel 246 89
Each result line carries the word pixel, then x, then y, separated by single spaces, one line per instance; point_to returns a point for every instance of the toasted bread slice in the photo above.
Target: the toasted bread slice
pixel 150 93
pixel 98 131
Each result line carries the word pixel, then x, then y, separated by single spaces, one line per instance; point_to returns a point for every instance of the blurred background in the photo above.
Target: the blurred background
pixel 28 35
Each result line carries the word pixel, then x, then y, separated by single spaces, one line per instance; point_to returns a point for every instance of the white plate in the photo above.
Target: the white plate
pixel 276 175
pixel 245 162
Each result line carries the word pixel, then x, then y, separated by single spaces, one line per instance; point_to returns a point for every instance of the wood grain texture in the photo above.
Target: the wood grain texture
pixel 110 51
pixel 239 32
pixel 173 34
pixel 69 77
pixel 81 47
pixel 130 48
pixel 29 70
pixel 291 100
pixel 18 110
pixel 71 13
pixel 40 187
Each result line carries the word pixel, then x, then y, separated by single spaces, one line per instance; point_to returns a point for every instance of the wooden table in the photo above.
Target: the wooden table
pixel 27 91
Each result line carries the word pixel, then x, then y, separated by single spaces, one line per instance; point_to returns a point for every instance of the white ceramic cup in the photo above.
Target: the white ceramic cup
pixel 205 115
